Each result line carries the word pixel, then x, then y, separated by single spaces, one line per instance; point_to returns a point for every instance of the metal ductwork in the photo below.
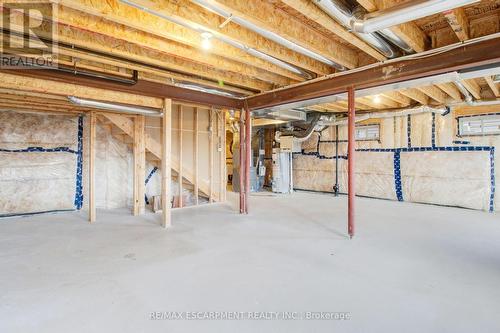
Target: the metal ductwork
pixel 209 90
pixel 268 34
pixel 300 136
pixel 391 113
pixel 120 108
pixel 342 13
pixel 224 39
pixel 404 12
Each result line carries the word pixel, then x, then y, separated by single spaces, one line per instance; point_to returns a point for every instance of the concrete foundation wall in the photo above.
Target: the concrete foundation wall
pixel 44 161
pixel 420 159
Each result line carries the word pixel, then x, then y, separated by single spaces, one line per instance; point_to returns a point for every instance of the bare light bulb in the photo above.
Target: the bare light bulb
pixel 205 42
pixel 377 99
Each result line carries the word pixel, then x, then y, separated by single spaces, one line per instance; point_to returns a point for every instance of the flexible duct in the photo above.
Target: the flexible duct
pixel 300 136
pixel 344 15
pixel 404 12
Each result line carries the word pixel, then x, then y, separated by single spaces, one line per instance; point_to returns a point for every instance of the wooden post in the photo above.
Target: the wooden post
pixel 195 160
pixel 166 156
pixel 179 178
pixel 139 164
pixel 92 138
pixel 211 154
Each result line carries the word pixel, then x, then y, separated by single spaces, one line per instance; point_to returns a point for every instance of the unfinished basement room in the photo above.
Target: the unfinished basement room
pixel 249 166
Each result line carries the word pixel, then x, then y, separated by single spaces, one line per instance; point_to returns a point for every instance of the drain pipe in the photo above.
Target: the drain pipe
pixel 404 12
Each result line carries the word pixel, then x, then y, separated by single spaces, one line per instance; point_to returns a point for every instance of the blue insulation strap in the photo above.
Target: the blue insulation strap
pixel 79 166
pixel 492 179
pixel 458 142
pixel 397 176
pixel 39 150
pixel 147 181
pixel 433 132
pixel 408 130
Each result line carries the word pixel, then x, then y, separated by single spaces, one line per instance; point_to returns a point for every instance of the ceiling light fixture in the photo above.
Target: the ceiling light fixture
pixel 206 44
pixel 377 99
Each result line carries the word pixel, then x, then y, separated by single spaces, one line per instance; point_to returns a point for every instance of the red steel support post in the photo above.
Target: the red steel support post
pixel 350 161
pixel 242 164
pixel 248 151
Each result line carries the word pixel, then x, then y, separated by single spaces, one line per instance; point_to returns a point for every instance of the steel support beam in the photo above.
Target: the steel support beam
pixel 142 87
pixel 465 56
pixel 350 160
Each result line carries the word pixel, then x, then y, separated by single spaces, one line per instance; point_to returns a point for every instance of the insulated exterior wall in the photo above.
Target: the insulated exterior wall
pixel 418 158
pixel 38 162
pixel 44 161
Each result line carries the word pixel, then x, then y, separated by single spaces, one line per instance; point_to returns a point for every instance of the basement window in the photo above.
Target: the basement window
pixel 479 125
pixel 367 133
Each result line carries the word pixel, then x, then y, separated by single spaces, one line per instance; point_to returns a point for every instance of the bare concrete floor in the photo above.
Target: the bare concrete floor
pixel 411 268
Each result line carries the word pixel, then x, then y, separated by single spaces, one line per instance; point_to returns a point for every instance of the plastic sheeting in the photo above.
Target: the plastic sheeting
pixel 434 170
pixel 37 180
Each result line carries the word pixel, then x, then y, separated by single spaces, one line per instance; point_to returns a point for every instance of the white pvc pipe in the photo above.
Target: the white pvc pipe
pixel 405 12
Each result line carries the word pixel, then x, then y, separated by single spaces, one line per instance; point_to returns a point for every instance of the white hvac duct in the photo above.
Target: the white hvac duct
pixel 120 108
pixel 214 91
pixel 222 38
pixel 404 12
pixel 339 11
pixel 208 4
pixel 389 114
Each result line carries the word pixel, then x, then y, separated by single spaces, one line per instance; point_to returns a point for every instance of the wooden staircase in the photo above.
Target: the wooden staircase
pixel 122 128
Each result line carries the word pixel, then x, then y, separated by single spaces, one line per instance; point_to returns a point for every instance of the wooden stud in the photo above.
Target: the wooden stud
pixel 92 139
pixel 211 155
pixel 139 164
pixel 166 152
pixel 222 154
pixel 195 160
pixel 179 178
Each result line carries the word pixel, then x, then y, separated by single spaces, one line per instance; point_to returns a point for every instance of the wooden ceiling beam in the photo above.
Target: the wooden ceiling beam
pixel 473 87
pixel 124 49
pixel 155 26
pixel 186 11
pixel 409 32
pixel 313 12
pixel 398 97
pixel 264 14
pixel 457 19
pixel 451 90
pixel 416 95
pixel 493 86
pixel 434 93
pixel 92 32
